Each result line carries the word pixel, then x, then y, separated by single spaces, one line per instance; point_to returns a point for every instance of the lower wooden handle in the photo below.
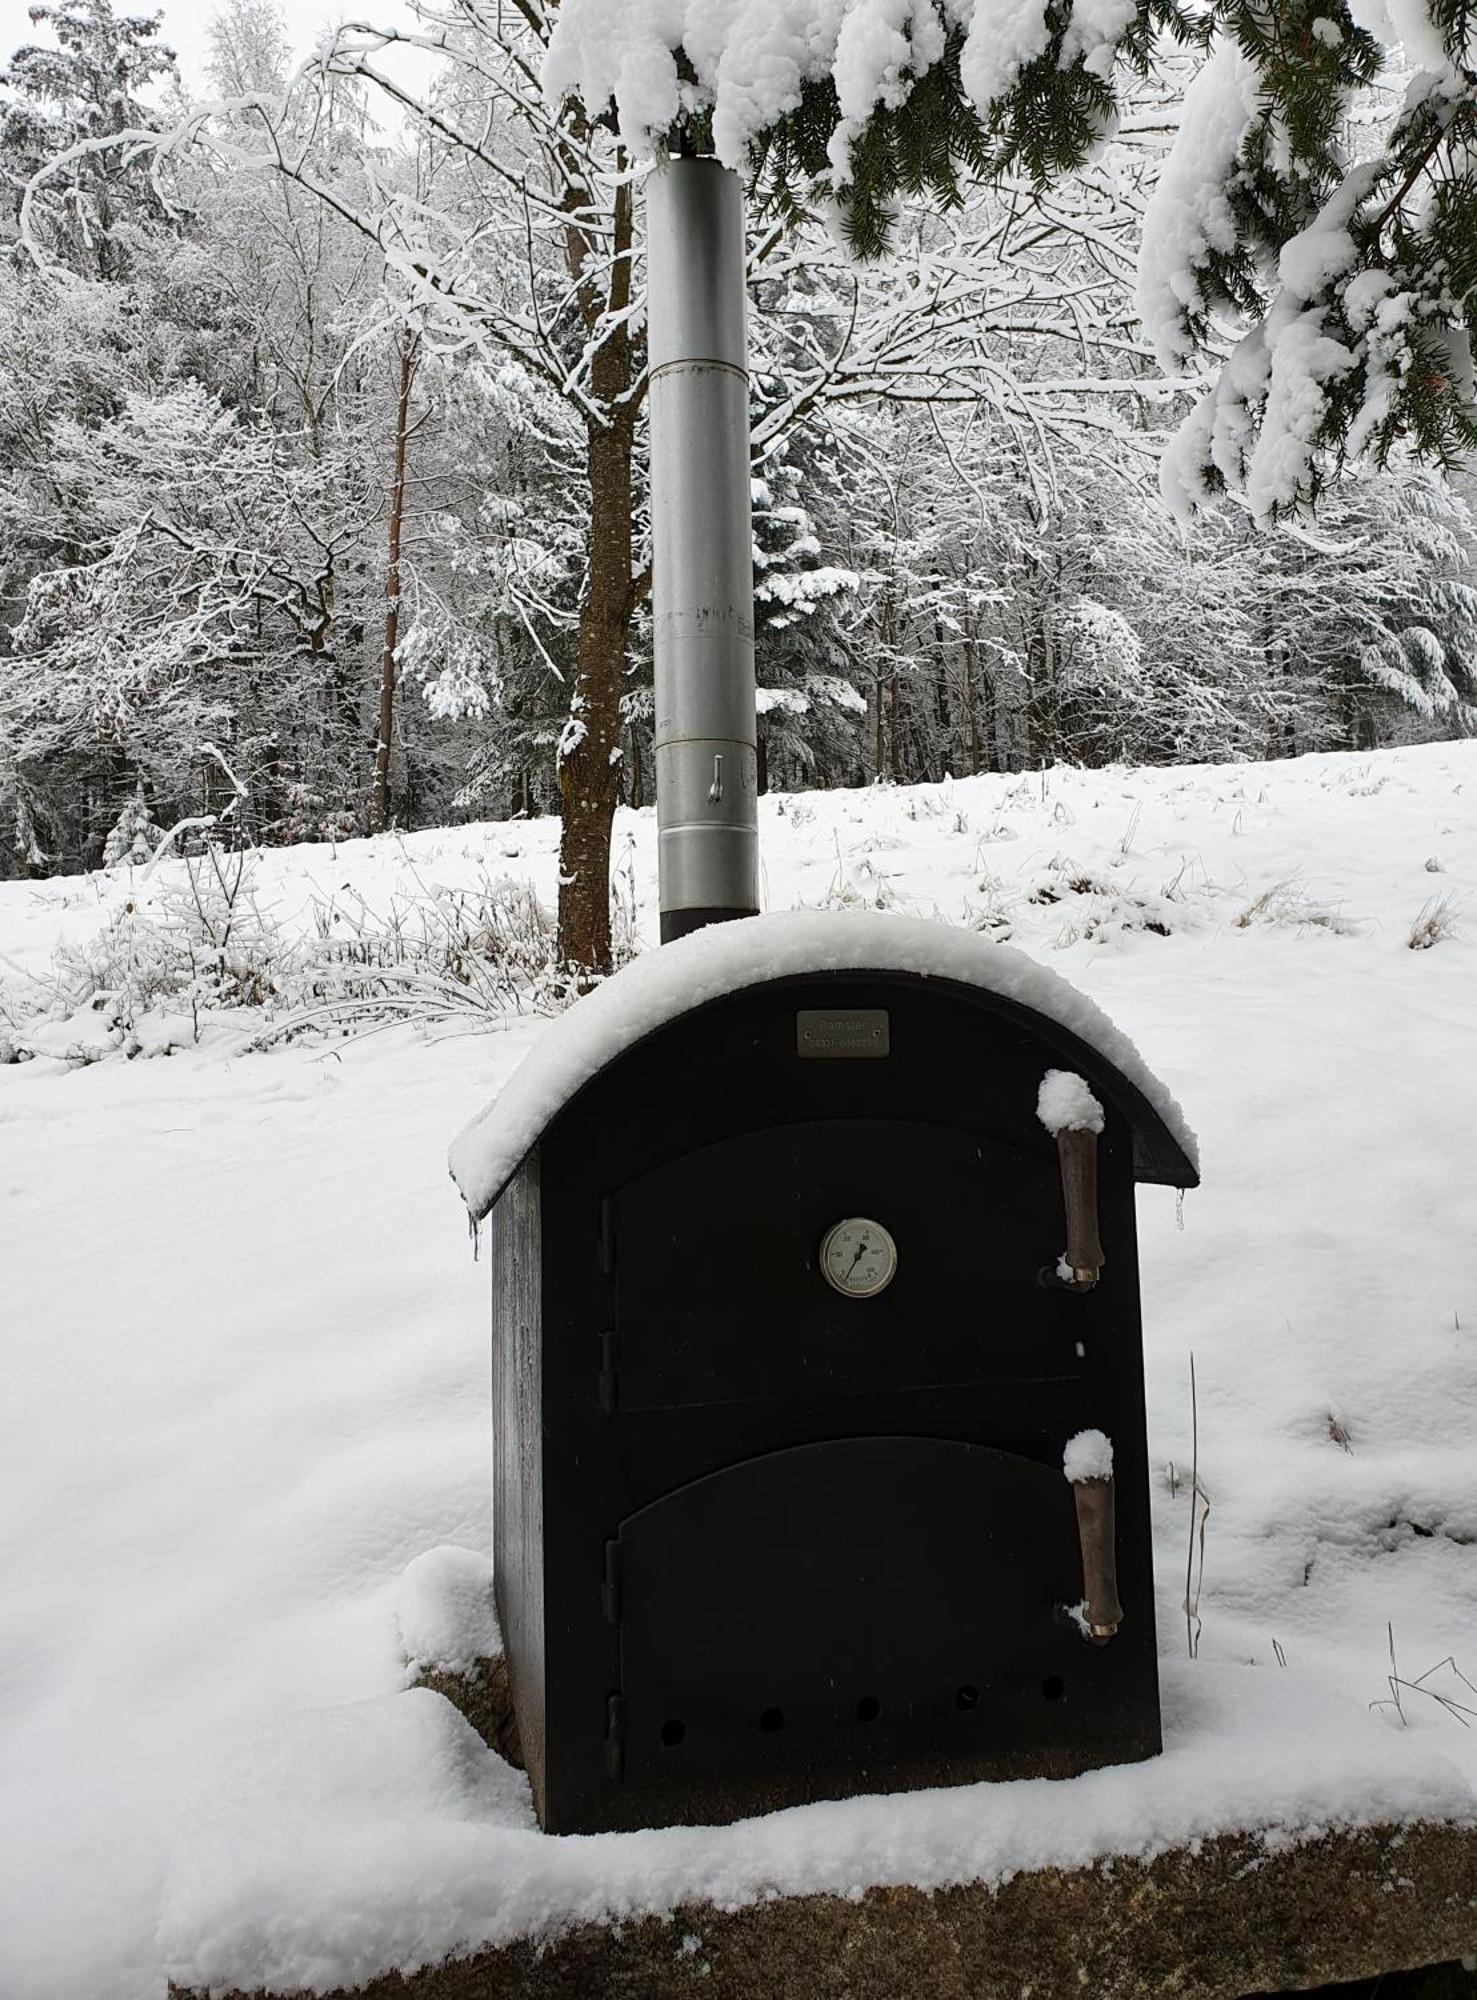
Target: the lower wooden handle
pixel 1077 1152
pixel 1101 1609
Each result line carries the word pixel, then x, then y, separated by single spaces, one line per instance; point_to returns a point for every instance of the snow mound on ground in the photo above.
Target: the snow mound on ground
pixel 725 958
pixel 386 1837
pixel 444 1611
pixel 294 1873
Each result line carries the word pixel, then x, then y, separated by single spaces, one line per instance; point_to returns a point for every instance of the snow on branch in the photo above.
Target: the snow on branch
pixel 1352 283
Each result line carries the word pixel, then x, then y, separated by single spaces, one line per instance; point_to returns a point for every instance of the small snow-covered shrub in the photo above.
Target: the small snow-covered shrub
pixel 193 936
pixel 625 937
pixel 1095 907
pixel 993 917
pixel 191 939
pixel 847 894
pixel 925 805
pixel 486 950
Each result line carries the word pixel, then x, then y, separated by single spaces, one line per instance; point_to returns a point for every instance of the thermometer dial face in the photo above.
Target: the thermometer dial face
pixel 858 1257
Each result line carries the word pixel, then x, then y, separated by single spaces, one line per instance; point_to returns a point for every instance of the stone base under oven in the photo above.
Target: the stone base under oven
pixel 1226 1920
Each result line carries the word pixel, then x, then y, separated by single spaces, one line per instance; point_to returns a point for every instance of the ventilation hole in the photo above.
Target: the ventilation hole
pixel 1053 1687
pixel 966 1697
pixel 868 1708
pixel 673 1732
pixel 772 1719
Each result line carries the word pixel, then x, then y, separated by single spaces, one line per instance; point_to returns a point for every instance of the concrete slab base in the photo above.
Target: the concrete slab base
pixel 1229 1918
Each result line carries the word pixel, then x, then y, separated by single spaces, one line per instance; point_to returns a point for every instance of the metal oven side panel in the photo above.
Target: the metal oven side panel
pixel 518 1471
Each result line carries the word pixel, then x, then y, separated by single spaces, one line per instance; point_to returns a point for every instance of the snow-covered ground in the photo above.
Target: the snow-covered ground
pixel 246 1383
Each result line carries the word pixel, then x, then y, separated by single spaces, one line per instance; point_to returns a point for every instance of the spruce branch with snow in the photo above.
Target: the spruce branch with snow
pixel 1352 281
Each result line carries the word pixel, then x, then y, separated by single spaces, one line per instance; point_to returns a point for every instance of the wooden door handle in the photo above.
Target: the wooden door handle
pixel 1095 1529
pixel 1083 1256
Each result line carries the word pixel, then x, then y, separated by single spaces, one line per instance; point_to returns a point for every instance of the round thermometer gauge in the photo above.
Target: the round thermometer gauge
pixel 858 1257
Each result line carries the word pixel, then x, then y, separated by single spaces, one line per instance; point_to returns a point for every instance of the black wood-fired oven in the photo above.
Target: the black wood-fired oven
pixel 787 1353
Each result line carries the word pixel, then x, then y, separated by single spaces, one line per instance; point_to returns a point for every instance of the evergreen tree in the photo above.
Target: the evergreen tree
pixel 135 838
pixel 70 104
pixel 1371 621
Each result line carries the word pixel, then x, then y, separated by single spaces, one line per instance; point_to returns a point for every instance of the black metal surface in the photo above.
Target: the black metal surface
pixel 725 1492
pixel 873 1612
pixel 709 1311
pixel 1450 1981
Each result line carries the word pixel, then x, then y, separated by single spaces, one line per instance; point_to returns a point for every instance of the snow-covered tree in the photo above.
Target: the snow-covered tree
pixel 808 707
pixel 70 103
pixel 1368 621
pixel 530 247
pixel 333 468
pixel 183 564
pixel 135 836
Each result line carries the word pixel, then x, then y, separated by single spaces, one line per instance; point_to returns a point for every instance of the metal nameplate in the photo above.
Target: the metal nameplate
pixel 855 1031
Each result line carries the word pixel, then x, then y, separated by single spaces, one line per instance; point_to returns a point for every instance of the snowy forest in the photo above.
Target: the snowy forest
pixel 322 486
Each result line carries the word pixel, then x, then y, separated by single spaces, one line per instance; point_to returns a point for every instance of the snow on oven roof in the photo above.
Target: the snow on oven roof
pixel 725 958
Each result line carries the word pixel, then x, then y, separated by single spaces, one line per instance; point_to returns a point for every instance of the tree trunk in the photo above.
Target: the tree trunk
pixel 972 707
pixel 589 775
pixel 941 754
pixel 379 811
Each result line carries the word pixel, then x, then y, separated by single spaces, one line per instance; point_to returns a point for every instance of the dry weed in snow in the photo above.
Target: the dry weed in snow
pixel 1437 920
pixel 1285 903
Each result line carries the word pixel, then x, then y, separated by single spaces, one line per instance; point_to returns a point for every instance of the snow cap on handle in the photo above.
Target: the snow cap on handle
pixel 1089 1455
pixel 1064 1103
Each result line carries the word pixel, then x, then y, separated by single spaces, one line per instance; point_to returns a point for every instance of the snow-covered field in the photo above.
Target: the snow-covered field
pixel 246 1384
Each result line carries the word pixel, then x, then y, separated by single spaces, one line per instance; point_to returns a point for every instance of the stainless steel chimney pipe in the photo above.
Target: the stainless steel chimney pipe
pixel 702 551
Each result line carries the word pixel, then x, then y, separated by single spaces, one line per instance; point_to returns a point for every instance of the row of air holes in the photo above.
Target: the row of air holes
pixel 868 1709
